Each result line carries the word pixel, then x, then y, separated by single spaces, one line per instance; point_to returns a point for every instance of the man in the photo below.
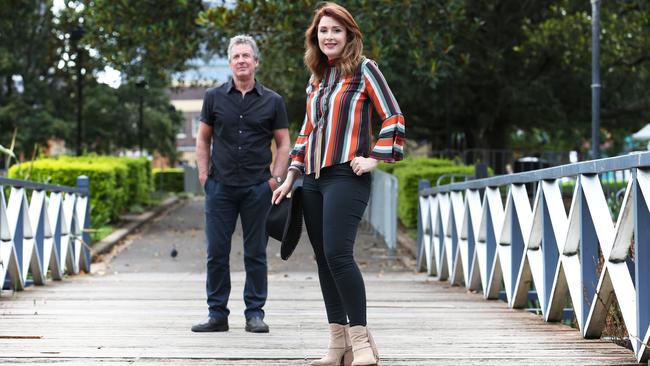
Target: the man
pixel 239 119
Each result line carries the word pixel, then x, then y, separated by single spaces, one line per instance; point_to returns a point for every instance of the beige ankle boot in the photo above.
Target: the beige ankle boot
pixel 363 347
pixel 340 348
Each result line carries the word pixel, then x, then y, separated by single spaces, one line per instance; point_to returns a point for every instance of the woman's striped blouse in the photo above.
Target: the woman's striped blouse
pixel 342 108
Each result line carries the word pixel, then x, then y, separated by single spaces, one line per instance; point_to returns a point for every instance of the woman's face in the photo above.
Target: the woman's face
pixel 332 37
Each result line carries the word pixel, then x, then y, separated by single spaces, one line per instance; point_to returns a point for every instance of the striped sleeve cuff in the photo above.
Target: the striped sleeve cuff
pixel 298 167
pixel 298 152
pixel 390 144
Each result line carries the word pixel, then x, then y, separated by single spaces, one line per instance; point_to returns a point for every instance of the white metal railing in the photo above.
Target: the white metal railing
pixel 469 237
pixel 381 213
pixel 47 235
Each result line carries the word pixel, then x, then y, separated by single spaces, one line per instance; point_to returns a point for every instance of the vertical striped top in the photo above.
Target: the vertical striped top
pixel 342 108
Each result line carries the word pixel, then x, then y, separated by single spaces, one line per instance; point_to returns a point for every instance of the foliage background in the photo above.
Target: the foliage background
pixel 473 73
pixel 39 63
pixel 467 73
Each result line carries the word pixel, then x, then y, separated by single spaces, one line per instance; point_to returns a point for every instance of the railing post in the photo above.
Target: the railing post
pixel 392 194
pixel 83 183
pixel 422 184
pixel 641 269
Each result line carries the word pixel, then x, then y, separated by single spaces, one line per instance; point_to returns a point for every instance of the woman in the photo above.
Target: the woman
pixel 334 152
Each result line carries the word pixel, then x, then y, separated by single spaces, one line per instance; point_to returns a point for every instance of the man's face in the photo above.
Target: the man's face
pixel 242 61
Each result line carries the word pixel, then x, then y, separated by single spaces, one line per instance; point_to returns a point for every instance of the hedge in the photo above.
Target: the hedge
pixel 115 182
pixel 169 180
pixel 408 178
pixel 138 184
pixel 106 204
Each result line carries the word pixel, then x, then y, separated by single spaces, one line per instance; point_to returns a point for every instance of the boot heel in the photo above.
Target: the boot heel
pixel 375 352
pixel 339 352
pixel 347 358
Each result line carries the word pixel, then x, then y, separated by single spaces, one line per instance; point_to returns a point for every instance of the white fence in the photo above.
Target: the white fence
pixel 381 213
pixel 469 237
pixel 45 235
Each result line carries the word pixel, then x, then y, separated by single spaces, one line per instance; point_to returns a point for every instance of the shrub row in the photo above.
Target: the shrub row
pixel 408 182
pixel 169 180
pixel 410 171
pixel 115 182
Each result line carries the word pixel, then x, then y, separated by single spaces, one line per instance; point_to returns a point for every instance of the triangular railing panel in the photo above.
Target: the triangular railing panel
pixel 40 220
pixel 453 250
pixel 9 264
pixel 441 225
pixel 72 264
pixel 60 234
pixel 425 234
pixel 45 236
pixel 491 226
pixel 554 222
pixel 583 257
pixel 512 239
pixel 642 260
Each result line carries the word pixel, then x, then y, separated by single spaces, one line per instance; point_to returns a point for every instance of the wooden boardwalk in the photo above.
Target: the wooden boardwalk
pixel 123 315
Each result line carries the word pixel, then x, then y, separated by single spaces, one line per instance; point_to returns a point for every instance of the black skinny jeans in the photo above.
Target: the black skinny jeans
pixel 333 206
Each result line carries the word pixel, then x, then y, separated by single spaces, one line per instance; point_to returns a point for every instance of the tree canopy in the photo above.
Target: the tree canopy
pixel 471 73
pixel 40 59
pixel 467 73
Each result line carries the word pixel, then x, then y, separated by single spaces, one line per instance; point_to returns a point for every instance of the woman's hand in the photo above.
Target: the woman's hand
pixel 361 165
pixel 284 190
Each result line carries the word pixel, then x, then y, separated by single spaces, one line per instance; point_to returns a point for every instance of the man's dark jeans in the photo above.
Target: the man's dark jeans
pixel 223 204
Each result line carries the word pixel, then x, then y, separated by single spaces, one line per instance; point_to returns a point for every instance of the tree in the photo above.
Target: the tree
pixel 414 61
pixel 469 73
pixel 144 38
pixel 557 54
pixel 28 74
pixel 113 119
pixel 138 39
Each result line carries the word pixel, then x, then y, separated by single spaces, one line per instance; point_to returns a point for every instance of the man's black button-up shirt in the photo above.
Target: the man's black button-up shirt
pixel 242 132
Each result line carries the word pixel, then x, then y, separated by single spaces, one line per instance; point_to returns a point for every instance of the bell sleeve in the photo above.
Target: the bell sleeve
pixel 390 143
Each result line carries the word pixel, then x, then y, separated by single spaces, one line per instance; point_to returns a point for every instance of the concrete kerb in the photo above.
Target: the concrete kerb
pixel 106 245
pixel 405 241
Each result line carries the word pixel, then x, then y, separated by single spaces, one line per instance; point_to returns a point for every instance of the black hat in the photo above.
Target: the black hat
pixel 284 221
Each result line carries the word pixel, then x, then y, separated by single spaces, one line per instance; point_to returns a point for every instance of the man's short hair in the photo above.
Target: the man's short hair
pixel 243 39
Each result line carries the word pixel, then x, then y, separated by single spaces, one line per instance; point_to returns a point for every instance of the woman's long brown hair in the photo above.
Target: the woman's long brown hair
pixel 315 59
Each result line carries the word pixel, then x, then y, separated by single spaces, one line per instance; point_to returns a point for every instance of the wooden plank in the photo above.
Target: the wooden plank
pixel 118 318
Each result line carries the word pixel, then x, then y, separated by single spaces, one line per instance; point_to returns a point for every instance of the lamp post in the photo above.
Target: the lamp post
pixel 75 36
pixel 595 79
pixel 141 84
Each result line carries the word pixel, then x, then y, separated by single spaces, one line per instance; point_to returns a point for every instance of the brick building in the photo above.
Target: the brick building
pixel 187 96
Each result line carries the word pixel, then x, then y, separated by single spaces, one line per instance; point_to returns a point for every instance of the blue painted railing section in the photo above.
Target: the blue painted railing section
pixel 44 237
pixel 470 235
pixel 381 212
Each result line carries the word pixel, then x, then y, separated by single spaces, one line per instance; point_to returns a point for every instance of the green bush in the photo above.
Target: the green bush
pixel 134 179
pixel 169 180
pixel 115 182
pixel 408 178
pixel 106 204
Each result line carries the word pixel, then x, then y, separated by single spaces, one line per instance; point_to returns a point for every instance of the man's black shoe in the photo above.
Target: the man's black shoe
pixel 256 325
pixel 211 325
